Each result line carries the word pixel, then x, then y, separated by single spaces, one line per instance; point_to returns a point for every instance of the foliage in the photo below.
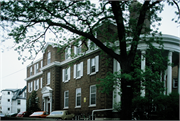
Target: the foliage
pixel 165 107
pixel 32 103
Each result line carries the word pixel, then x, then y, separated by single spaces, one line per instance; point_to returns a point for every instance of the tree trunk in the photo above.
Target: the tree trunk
pixel 126 100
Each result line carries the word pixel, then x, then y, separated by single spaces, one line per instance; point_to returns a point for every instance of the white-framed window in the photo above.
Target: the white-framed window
pixel 93 65
pixel 92 98
pixel 30 84
pixel 91 45
pixel 41 82
pixel 78 70
pixel 18 102
pixel 31 71
pixel 66 99
pixel 8 100
pixel 175 83
pixel 66 74
pixel 8 93
pixel 8 109
pixel 41 64
pixel 36 84
pixel 36 66
pixel 77 49
pixel 49 58
pixel 67 53
pixel 48 78
pixel 78 97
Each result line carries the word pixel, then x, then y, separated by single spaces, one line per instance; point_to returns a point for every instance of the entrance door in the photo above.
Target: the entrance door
pixel 48 108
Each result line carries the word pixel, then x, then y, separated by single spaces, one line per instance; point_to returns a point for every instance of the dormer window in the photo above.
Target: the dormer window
pixel 91 45
pixel 49 58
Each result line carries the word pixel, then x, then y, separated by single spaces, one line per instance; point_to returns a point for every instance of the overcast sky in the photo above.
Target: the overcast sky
pixel 13 72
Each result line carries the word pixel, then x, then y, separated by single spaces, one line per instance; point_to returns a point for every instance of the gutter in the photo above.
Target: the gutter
pixel 100 110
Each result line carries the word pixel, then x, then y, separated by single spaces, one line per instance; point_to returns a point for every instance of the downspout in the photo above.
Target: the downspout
pixel 100 110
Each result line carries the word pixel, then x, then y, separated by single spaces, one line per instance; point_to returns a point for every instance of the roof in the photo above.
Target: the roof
pixel 18 94
pixel 12 90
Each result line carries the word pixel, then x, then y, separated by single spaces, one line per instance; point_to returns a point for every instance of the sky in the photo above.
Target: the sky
pixel 13 72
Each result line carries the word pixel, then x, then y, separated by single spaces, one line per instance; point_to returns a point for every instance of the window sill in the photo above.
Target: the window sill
pixel 66 108
pixel 92 105
pixel 66 81
pixel 92 73
pixel 47 84
pixel 78 107
pixel 78 77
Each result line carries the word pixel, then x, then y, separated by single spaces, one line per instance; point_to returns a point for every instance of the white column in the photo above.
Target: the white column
pixel 143 65
pixel 165 73
pixel 50 104
pixel 169 74
pixel 179 78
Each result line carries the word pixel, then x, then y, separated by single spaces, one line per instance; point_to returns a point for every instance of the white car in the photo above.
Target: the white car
pixel 61 114
pixel 2 115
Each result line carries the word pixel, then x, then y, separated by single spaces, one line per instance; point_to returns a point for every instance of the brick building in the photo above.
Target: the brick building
pixel 69 83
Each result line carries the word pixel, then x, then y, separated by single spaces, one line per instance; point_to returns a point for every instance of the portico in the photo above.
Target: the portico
pixel 47 98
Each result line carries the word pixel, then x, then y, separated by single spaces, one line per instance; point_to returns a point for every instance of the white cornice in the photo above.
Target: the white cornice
pixel 55 63
pixel 34 76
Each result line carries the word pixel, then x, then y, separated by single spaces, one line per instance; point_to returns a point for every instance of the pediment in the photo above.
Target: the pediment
pixel 46 89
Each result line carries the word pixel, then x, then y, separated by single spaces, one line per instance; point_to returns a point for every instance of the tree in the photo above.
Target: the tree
pixel 80 18
pixel 32 103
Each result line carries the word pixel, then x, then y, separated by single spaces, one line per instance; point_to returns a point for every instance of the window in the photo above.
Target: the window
pixel 8 109
pixel 77 49
pixel 93 65
pixel 30 86
pixel 30 71
pixel 49 58
pixel 93 95
pixel 66 75
pixel 36 84
pixel 36 66
pixel 18 110
pixel 41 82
pixel 67 53
pixel 66 99
pixel 175 82
pixel 8 93
pixel 48 78
pixel 91 45
pixel 8 100
pixel 78 97
pixel 78 70
pixel 41 64
pixel 18 102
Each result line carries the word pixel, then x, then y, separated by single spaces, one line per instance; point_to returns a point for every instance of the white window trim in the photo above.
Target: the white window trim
pixel 48 79
pixel 76 99
pixel 96 66
pixel 66 98
pixel 36 83
pixel 67 52
pixel 68 73
pixel 79 46
pixel 41 82
pixel 92 105
pixel 174 82
pixel 81 70
pixel 89 43
pixel 31 71
pixel 48 58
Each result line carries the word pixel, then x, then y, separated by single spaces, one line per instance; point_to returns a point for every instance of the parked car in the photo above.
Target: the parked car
pixel 11 115
pixel 22 114
pixel 61 114
pixel 39 114
pixel 2 115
